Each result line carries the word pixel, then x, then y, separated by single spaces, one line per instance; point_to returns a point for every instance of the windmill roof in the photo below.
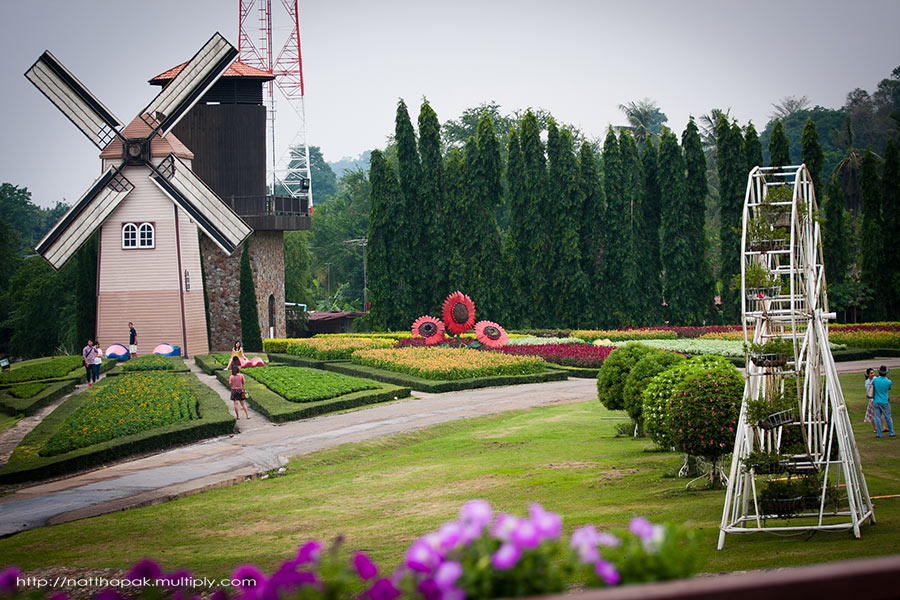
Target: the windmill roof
pixel 159 146
pixel 237 69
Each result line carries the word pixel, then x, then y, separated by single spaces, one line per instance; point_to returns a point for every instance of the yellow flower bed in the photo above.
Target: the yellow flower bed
pixel 448 363
pixel 334 348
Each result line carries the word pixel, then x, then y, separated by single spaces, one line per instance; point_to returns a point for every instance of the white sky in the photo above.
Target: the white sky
pixel 579 59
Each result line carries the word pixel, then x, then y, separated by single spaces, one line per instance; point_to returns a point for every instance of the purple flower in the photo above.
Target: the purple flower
pixel 641 527
pixel 287 579
pixel 145 568
pixel 453 593
pixel 177 579
pixel 506 557
pixel 248 577
pixel 109 594
pixel 607 572
pixel 447 574
pixel 450 535
pixel 548 524
pixel 365 568
pixel 429 589
pixel 59 596
pixel 9 579
pixel 219 594
pixel 476 512
pixel 504 526
pixel 309 552
pixel 584 541
pixel 421 557
pixel 608 540
pixel 525 535
pixel 383 589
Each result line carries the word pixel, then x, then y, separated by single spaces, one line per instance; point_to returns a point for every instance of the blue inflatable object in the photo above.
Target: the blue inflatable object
pixel 119 352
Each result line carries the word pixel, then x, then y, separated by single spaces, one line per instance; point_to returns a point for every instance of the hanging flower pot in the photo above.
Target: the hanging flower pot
pixel 458 313
pixel 429 328
pixel 490 334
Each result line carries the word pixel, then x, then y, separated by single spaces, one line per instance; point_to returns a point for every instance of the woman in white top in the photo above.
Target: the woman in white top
pixel 98 359
pixel 870 396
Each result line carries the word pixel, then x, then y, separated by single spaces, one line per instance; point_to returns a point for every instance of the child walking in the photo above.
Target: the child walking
pixel 237 390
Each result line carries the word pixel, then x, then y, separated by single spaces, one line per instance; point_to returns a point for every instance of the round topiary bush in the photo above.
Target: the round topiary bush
pixel 612 375
pixel 651 365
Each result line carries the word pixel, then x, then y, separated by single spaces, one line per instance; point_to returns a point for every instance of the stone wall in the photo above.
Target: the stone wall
pixel 223 287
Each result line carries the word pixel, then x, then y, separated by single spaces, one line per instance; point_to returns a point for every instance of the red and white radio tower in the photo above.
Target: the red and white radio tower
pixel 291 172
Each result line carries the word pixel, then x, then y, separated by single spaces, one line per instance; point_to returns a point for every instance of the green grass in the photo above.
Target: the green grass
pixel 33 370
pixel 297 384
pixel 384 493
pixel 7 421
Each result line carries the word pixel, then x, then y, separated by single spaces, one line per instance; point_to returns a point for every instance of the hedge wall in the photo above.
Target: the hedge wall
pixel 28 406
pixel 25 464
pixel 78 375
pixel 279 410
pixel 177 363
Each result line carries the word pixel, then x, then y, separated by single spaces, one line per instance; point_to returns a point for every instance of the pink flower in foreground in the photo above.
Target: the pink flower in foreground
pixel 365 568
pixel 506 557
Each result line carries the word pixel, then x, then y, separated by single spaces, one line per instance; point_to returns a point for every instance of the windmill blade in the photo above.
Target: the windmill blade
pixel 85 216
pixel 73 99
pixel 215 218
pixel 191 83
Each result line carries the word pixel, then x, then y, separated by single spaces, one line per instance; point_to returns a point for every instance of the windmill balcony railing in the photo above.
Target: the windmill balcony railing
pixel 266 206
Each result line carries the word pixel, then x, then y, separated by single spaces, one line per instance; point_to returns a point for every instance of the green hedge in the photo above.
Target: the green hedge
pixel 280 410
pixel 151 362
pixel 25 464
pixel 78 374
pixel 298 384
pixel 28 406
pixel 207 363
pixel 437 386
pixel 585 372
pixel 302 361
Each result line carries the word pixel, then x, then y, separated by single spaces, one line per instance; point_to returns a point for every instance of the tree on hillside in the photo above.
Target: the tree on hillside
pixel 779 147
pixel 695 188
pixel 890 205
pixel 534 189
pixel 730 163
pixel 413 222
pixel 788 106
pixel 617 244
pixel 516 248
pixel 645 120
pixel 457 199
pixel 593 224
pixel 753 155
pixel 634 301
pixel 650 267
pixel 251 336
pixel 389 290
pixel 297 274
pixel 813 157
pixel 457 131
pixel 835 247
pixel 431 200
pixel 873 270
pixel 708 124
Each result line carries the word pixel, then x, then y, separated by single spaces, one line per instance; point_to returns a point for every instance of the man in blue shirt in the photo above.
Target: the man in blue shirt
pixel 880 402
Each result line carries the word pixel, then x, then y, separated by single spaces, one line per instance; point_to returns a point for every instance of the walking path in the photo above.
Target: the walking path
pixel 260 446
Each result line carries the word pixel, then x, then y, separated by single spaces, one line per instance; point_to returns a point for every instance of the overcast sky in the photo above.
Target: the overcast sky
pixel 579 59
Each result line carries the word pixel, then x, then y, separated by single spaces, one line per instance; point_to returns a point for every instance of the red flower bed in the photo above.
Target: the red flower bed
pixel 571 355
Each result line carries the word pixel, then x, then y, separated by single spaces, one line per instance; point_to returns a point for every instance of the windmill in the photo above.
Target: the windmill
pixel 147 204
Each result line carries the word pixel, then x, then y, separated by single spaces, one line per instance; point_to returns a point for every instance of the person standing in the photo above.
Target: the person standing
pixel 237 390
pixel 87 355
pixel 132 340
pixel 870 408
pixel 98 360
pixel 881 401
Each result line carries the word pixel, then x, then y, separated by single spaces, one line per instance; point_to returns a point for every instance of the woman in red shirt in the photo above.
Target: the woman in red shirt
pixel 237 390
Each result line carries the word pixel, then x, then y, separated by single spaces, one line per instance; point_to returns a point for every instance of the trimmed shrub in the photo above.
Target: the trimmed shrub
pixel 50 393
pixel 276 345
pixel 149 362
pixel 652 364
pixel 27 390
pixel 58 366
pixel 570 355
pixel 297 384
pixel 612 375
pixel 334 348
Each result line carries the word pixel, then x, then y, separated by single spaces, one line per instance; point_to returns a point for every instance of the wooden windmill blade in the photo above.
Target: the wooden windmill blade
pixel 74 100
pixel 84 217
pixel 191 83
pixel 215 218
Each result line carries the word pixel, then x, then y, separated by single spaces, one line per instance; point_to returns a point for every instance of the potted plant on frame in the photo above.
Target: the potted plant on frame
pixel 772 353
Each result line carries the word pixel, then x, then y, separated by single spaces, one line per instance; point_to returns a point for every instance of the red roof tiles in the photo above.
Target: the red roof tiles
pixel 237 69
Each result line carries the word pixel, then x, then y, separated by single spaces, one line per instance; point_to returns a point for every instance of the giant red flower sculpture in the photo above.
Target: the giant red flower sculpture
pixel 490 334
pixel 429 328
pixel 458 313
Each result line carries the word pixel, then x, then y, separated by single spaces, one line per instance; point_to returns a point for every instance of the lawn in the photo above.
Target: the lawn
pixel 384 493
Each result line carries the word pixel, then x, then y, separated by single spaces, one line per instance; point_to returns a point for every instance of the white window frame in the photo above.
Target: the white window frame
pixel 141 243
pixel 137 242
pixel 133 230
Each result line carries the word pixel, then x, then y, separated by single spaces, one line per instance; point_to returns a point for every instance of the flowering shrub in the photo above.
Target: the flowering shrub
pixel 297 384
pixel 618 335
pixel 447 363
pixel 149 362
pixel 478 556
pixel 865 338
pixel 531 340
pixel 727 348
pixel 873 326
pixel 726 335
pixel 614 372
pixel 572 355
pixel 123 405
pixel 334 348
pixel 648 367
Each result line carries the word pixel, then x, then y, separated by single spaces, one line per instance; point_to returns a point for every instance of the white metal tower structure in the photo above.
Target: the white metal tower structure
pixel 291 173
pixel 795 465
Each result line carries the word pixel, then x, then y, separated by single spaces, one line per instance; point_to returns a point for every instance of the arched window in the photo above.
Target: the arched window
pixel 145 236
pixel 129 235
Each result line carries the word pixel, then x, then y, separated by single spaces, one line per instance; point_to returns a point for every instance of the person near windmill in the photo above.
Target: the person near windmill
pixel 881 401
pixel 132 340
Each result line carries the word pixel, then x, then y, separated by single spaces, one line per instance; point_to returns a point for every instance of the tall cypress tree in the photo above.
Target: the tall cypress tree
pixel 431 196
pixel 634 299
pixel 813 157
pixel 388 288
pixel 251 337
pixel 872 242
pixel 650 267
pixel 890 204
pixel 779 146
pixel 613 188
pixel 534 190
pixel 834 233
pixel 411 220
pixel 592 227
pixel 565 278
pixel 515 251
pixel 753 155
pixel 695 162
pixel 86 291
pixel 675 245
pixel 456 185
pixel 731 160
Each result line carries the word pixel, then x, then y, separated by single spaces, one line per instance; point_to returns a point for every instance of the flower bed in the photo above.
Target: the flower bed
pixel 447 363
pixel 58 366
pixel 122 406
pixel 534 341
pixel 865 337
pixel 618 335
pixel 334 348
pixel 726 348
pixel 297 384
pixel 570 355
